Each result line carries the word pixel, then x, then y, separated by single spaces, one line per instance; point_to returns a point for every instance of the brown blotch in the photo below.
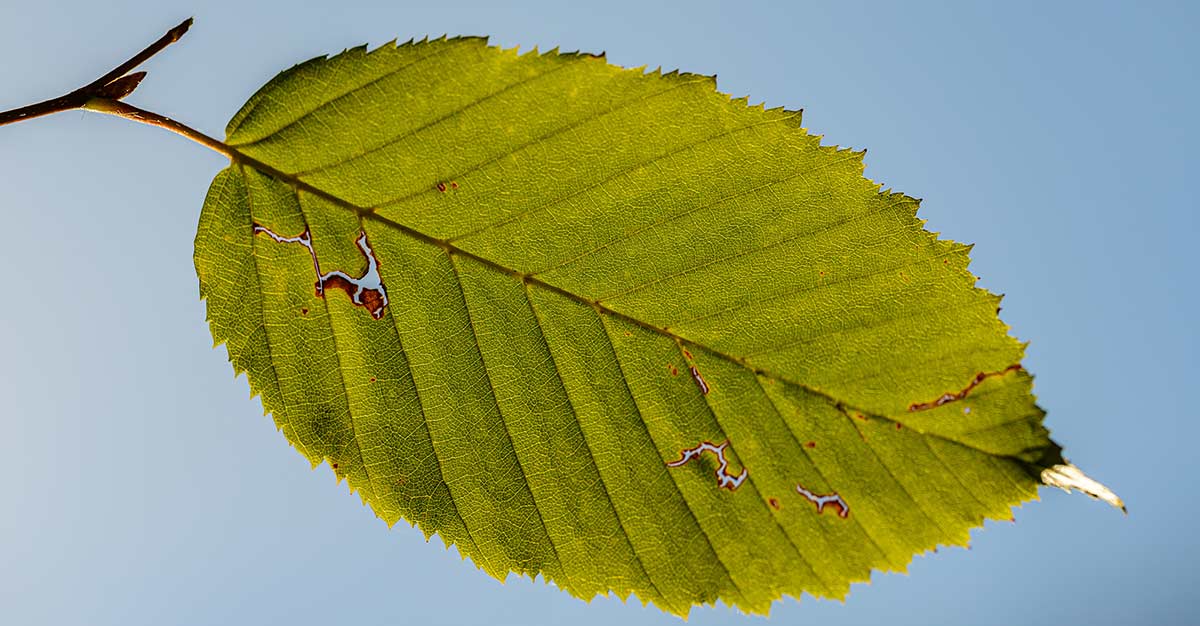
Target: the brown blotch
pixel 372 299
pixel 334 465
pixel 671 368
pixel 303 311
pixel 337 282
pixel 453 185
pixel 688 355
pixel 774 503
pixel 837 506
pixel 441 187
pixel 810 444
pixel 372 379
pixel 899 425
pixel 962 393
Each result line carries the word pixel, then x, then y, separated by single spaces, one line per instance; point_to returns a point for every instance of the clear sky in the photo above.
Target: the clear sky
pixel 142 486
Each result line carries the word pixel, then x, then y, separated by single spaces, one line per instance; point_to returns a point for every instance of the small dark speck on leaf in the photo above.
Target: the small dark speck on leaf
pixel 303 311
pixel 774 503
pixel 441 187
pixel 810 444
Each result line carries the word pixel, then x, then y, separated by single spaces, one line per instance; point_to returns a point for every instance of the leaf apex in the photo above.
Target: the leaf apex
pixel 1066 476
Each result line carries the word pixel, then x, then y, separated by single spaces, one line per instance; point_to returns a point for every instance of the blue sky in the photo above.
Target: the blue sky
pixel 143 487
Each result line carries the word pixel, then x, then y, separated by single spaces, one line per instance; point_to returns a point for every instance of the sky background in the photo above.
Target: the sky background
pixel 142 486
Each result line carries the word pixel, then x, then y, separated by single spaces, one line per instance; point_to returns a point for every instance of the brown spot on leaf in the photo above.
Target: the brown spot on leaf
pixel 810 444
pixel 441 187
pixel 774 503
pixel 962 393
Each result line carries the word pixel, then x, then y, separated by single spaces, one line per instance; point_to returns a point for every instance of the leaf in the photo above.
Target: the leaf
pixel 611 326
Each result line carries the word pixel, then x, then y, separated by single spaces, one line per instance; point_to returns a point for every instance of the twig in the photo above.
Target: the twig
pixel 111 87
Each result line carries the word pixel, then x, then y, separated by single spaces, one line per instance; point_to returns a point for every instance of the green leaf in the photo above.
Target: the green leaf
pixel 611 326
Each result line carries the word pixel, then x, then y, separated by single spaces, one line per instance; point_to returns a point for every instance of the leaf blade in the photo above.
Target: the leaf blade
pixel 552 431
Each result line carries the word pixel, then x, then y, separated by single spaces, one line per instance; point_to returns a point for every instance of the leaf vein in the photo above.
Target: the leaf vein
pixel 816 468
pixel 437 458
pixel 496 402
pixel 616 175
pixel 761 497
pixel 591 453
pixel 307 114
pixel 887 468
pixel 642 420
pixel 629 235
pixel 425 188
pixel 337 354
pixel 430 124
pixel 271 351
pixel 737 255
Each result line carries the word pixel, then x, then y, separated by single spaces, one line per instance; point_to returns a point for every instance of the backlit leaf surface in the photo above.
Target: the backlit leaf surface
pixel 610 326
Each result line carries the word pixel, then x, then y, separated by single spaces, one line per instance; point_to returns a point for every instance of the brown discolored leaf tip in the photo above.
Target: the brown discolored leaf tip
pixel 1067 477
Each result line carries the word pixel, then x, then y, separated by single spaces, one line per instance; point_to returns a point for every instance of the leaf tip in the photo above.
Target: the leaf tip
pixel 1066 476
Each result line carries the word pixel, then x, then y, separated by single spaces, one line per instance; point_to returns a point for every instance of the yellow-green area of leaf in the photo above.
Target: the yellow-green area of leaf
pixel 611 327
